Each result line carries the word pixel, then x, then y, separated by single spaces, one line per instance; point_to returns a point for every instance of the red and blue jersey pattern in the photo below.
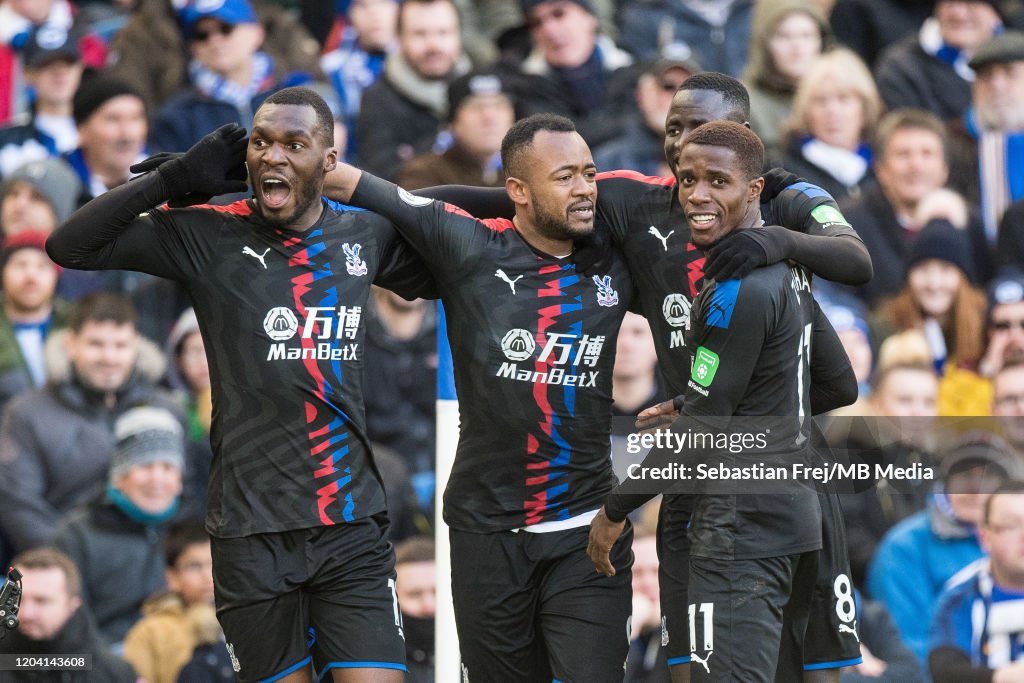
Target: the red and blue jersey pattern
pixel 281 315
pixel 533 344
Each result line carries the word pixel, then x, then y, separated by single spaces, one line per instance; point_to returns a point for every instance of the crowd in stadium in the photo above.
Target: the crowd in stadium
pixel 909 113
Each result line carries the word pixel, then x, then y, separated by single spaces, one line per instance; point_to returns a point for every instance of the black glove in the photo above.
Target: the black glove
pixel 775 181
pixel 215 165
pixel 735 255
pixel 154 162
pixel 593 254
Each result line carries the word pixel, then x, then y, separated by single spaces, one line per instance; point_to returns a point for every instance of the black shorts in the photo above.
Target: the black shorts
pixel 831 642
pixel 832 639
pixel 749 617
pixel 530 607
pixel 324 595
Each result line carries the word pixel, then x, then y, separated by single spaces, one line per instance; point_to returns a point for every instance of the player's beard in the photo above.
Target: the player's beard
pixel 310 194
pixel 558 227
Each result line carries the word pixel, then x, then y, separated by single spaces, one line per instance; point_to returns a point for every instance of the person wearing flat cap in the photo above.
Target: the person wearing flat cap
pixel 53 70
pixel 920 554
pixel 481 109
pixel 988 141
pixel 117 539
pixel 640 145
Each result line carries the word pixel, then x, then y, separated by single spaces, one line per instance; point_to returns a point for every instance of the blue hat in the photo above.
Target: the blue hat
pixel 228 11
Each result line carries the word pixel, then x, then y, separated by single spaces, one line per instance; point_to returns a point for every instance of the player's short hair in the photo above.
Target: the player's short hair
pixel 182 535
pixel 51 558
pixel 744 142
pixel 101 307
pixel 731 90
pixel 405 3
pixel 521 135
pixel 415 549
pixel 1011 487
pixel 305 97
pixel 907 119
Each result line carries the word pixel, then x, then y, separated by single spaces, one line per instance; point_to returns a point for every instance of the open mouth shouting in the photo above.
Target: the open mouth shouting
pixel 274 192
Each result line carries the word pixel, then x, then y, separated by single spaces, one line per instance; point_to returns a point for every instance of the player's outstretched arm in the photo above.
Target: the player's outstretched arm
pixel 833 382
pixel 89 238
pixel 840 258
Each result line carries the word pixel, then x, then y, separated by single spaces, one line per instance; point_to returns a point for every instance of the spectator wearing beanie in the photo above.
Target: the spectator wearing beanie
pixel 112 128
pixel 30 310
pixel 480 110
pixel 39 195
pixel 939 300
pixel 117 540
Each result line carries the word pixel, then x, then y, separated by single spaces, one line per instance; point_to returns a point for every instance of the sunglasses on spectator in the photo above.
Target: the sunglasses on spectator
pixel 1004 325
pixel 223 29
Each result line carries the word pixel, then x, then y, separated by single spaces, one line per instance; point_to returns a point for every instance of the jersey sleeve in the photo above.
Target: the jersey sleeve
pixel 737 317
pixel 401 268
pixel 121 230
pixel 616 198
pixel 447 238
pixel 808 209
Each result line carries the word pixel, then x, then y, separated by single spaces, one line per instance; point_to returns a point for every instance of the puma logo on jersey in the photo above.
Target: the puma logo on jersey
pixel 663 239
pixel 843 628
pixel 259 257
pixel 703 662
pixel 500 274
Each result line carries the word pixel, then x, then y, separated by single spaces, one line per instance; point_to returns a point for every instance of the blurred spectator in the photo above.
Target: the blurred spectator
pixel 174 623
pixel 575 71
pixel 717 31
pixel 978 630
pixel 38 196
pixel 18 18
pixel 67 427
pixel 1008 403
pixel 919 555
pixel 849 319
pixel 900 409
pixel 111 120
pixel 788 37
pixel 835 111
pixel 53 71
pixel 401 370
pixel 928 70
pixel 229 75
pixel 29 312
pixel 987 143
pixel 358 61
pixel 188 375
pixel 646 662
pixel 126 525
pixel 868 26
pixel 54 622
pixel 939 300
pixel 406 509
pixel 1005 322
pixel 636 384
pixel 910 162
pixel 640 146
pixel 416 584
pixel 401 111
pixel 481 111
pixel 886 657
pixel 151 54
